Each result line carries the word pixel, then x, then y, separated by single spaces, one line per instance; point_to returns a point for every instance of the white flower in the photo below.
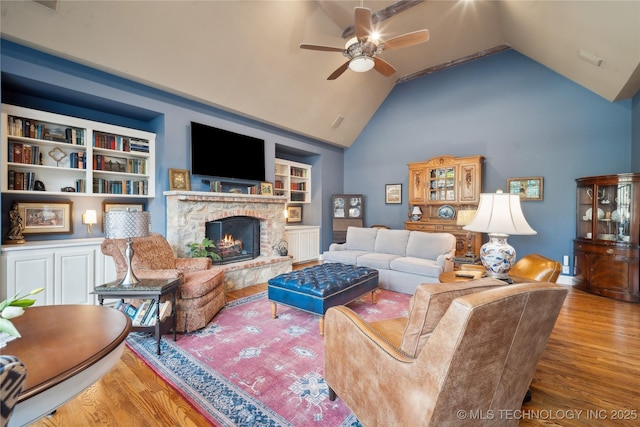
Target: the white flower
pixel 11 312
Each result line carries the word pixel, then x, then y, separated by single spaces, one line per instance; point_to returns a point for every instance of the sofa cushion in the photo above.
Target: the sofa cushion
pixel 345 257
pixel 392 242
pixel 413 265
pixel 429 303
pixel 377 261
pixel 430 245
pixel 361 239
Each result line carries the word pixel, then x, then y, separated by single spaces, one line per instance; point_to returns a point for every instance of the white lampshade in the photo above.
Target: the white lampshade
pixel 464 217
pixel 416 210
pixel 499 215
pixel 361 64
pixel 90 217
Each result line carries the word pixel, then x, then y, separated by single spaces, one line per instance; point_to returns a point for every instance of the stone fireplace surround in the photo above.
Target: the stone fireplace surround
pixel 188 211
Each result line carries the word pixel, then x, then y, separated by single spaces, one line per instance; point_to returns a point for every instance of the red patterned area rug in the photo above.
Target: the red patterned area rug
pixel 247 369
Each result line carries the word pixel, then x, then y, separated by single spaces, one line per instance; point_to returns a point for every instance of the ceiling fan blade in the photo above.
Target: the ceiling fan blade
pixel 383 67
pixel 322 48
pixel 339 71
pixel 363 24
pixel 405 40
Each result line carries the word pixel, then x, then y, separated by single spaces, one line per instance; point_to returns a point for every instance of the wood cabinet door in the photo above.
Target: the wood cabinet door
pixel 469 183
pixel 417 182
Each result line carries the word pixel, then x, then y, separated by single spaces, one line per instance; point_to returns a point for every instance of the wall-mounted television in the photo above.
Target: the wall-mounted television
pixel 219 153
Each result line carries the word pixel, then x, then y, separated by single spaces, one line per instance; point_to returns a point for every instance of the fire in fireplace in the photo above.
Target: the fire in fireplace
pixel 237 238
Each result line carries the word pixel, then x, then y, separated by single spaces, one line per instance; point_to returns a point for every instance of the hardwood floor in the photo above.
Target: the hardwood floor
pixel 589 375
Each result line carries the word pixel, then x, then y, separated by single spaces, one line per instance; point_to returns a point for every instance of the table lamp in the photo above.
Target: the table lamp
pixel 464 217
pixel 126 225
pixel 416 213
pixel 499 215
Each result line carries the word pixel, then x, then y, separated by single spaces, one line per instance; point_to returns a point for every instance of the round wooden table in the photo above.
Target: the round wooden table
pixel 65 348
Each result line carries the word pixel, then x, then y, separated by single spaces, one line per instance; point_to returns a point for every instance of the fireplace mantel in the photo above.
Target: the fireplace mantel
pixel 189 211
pixel 206 196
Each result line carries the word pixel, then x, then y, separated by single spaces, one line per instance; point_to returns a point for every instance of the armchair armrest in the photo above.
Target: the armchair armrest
pixel 193 264
pixel 353 351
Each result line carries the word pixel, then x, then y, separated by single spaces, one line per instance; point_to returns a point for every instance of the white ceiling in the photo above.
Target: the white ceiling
pixel 244 56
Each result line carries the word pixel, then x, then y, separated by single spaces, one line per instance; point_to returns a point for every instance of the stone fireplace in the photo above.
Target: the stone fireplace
pixel 237 238
pixel 188 212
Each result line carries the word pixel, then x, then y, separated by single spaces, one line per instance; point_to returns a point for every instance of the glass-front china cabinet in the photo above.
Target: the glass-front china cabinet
pixel 606 247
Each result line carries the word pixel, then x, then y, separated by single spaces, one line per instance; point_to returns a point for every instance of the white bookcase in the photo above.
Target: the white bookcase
pixel 293 180
pixel 74 156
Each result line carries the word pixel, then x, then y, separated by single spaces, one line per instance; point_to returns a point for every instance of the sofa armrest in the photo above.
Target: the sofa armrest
pixel 338 247
pixel 193 264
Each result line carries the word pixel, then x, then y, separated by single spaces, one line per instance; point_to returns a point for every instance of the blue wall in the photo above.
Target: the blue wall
pixel 524 118
pixel 37 80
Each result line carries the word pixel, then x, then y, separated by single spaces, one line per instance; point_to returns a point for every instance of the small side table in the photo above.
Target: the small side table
pixel 146 288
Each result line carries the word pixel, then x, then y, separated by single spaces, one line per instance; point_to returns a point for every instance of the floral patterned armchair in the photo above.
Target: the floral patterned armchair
pixel 201 294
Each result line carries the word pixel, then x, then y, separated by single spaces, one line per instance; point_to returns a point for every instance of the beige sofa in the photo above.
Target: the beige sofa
pixel 404 259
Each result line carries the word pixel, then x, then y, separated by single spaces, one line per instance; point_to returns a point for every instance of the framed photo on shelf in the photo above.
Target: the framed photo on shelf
pixel 529 189
pixel 393 194
pixel 294 213
pixel 116 206
pixel 46 217
pixel 266 189
pixel 179 179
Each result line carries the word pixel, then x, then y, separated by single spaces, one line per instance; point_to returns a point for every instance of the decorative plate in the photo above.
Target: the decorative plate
pixel 446 212
pixel 589 214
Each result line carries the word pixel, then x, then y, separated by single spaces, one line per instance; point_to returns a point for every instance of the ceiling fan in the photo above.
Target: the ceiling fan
pixel 363 48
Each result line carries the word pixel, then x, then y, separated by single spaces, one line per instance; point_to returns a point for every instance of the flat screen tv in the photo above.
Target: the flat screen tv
pixel 223 154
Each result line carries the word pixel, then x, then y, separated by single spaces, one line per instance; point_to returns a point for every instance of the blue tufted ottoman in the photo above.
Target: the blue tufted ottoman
pixel 315 289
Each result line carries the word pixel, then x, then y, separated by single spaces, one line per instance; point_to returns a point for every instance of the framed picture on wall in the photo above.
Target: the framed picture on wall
pixel 46 217
pixel 393 194
pixel 117 206
pixel 294 213
pixel 529 189
pixel 179 179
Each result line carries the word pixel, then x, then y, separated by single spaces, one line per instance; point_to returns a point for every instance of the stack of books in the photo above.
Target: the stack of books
pixel 146 313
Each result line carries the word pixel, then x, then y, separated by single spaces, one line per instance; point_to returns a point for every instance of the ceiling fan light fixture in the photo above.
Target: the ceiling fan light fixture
pixel 361 64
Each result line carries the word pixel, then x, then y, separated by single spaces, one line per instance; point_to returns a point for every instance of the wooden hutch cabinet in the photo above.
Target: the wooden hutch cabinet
pixel 606 248
pixel 442 186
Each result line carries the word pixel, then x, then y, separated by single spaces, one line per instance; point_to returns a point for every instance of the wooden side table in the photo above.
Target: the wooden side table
pixel 146 288
pixel 450 277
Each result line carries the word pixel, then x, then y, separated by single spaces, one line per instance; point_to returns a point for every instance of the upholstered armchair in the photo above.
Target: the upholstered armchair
pixel 537 267
pixel 12 376
pixel 466 350
pixel 201 294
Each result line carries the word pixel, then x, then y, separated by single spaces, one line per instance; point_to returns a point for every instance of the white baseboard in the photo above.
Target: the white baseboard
pixel 565 280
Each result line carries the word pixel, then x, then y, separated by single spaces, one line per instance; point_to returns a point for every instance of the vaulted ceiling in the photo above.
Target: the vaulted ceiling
pixel 244 56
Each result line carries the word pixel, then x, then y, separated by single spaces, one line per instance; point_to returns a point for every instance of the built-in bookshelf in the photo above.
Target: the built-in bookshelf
pixel 58 155
pixel 293 180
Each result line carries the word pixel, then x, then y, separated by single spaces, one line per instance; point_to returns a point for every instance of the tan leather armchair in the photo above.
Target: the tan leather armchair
pixel 532 266
pixel 201 294
pixel 537 267
pixel 466 348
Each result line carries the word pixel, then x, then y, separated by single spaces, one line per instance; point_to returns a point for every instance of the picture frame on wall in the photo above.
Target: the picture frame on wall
pixel 118 206
pixel 179 179
pixel 393 194
pixel 266 189
pixel 529 189
pixel 294 213
pixel 46 217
